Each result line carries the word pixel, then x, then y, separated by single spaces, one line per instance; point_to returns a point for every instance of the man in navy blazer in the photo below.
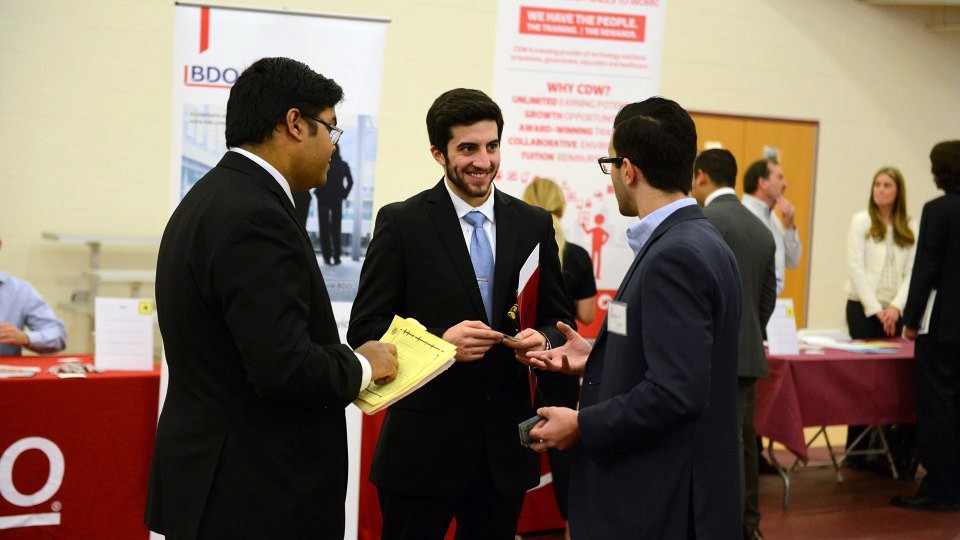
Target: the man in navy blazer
pixel 655 435
pixel 251 442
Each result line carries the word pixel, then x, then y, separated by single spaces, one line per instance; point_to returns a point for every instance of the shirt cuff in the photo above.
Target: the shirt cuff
pixel 367 371
pixel 547 345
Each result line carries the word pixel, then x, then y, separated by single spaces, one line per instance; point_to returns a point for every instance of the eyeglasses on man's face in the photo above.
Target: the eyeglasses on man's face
pixel 335 132
pixel 607 163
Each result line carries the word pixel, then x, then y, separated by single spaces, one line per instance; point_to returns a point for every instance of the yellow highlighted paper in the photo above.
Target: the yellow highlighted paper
pixel 421 356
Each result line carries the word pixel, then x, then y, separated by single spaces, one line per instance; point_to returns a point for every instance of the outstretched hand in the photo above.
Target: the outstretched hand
pixel 571 358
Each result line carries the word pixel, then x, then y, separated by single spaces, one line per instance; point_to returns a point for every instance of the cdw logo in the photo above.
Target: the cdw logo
pixel 25 500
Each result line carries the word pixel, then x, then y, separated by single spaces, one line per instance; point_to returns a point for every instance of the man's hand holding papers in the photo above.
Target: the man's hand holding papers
pixel 421 357
pixel 383 360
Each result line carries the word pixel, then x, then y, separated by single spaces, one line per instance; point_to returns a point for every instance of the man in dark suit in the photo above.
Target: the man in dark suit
pixel 937 268
pixel 330 206
pixel 714 178
pixel 451 449
pixel 656 430
pixel 251 442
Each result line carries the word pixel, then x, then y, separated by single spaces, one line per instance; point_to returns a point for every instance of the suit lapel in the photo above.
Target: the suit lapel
pixel 447 225
pixel 507 230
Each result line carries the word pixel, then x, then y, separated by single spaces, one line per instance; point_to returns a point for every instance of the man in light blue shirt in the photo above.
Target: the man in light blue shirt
pixel 22 306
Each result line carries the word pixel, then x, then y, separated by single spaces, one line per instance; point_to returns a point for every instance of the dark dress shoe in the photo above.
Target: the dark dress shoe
pixel 924 503
pixel 751 532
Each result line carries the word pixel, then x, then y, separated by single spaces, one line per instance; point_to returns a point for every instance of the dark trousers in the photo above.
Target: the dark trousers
pixel 937 372
pixel 482 513
pixel 863 327
pixel 559 390
pixel 750 483
pixel 330 218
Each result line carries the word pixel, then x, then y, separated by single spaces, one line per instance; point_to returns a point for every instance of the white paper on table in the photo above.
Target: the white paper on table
pixel 124 334
pixel 782 329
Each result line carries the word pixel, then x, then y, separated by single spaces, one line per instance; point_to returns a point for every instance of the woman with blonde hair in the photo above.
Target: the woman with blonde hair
pixel 581 289
pixel 880 252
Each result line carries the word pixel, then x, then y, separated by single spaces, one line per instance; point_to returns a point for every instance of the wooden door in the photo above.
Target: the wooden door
pixel 749 138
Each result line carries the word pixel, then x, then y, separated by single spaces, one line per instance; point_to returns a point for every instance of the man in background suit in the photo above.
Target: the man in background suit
pixel 251 442
pixel 656 430
pixel 330 206
pixel 714 177
pixel 451 448
pixel 937 268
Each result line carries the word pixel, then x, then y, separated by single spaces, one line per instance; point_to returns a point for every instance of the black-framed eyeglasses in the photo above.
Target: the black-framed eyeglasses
pixel 335 132
pixel 606 163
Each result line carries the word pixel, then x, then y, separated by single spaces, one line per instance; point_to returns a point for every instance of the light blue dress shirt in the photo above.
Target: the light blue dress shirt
pixel 639 232
pixel 22 306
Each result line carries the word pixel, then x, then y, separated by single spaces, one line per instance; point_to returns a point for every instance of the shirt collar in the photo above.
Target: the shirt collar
pixel 756 204
pixel 718 192
pixel 640 232
pixel 269 168
pixel 4 277
pixel 462 208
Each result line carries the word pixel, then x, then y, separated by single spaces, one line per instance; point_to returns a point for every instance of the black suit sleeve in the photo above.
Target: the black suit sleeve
pixel 926 266
pixel 381 290
pixel 768 292
pixel 261 281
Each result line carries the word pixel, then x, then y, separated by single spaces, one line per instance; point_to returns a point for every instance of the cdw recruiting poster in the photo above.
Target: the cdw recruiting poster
pixel 563 69
pixel 212 46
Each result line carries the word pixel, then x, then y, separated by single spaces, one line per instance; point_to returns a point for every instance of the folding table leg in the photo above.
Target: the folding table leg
pixel 784 475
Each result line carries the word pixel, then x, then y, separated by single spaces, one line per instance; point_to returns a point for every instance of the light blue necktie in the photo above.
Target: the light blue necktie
pixel 482 256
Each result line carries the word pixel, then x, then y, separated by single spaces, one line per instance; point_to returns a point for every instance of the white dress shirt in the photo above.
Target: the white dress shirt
pixel 788 243
pixel 462 208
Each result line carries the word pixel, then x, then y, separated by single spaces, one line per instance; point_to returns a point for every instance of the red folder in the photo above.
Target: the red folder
pixel 529 284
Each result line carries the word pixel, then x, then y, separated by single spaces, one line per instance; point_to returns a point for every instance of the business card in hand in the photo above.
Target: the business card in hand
pixel 525 428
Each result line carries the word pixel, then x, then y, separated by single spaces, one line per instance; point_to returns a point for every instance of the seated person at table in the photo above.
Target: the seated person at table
pixel 22 306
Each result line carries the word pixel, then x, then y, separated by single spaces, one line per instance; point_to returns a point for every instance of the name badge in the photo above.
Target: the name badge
pixel 617 318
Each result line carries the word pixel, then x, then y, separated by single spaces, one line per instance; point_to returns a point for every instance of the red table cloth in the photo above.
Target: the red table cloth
pixel 75 452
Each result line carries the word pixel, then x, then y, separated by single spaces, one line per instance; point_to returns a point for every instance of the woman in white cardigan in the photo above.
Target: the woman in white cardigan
pixel 880 250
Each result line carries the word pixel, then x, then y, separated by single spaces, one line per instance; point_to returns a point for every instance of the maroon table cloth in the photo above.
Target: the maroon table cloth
pixel 834 388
